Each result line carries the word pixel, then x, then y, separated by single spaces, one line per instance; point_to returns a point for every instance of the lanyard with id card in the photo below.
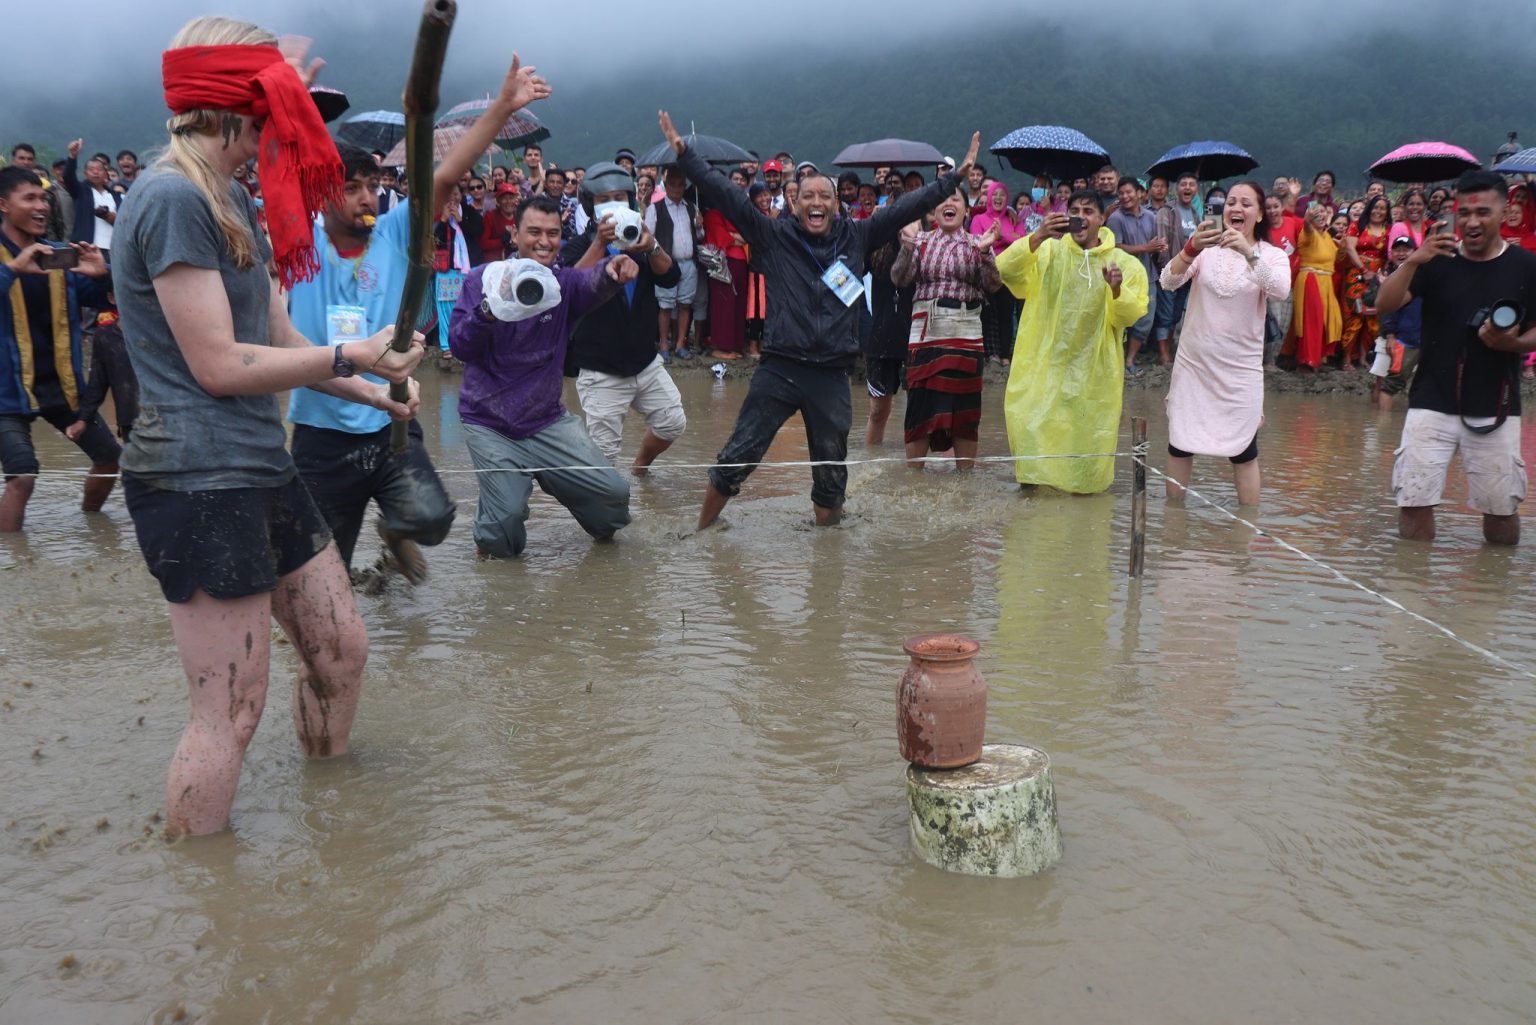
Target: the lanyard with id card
pixel 345 324
pixel 839 278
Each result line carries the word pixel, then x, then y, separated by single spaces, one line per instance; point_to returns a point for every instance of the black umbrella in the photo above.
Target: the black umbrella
pixel 889 153
pixel 1209 161
pixel 373 130
pixel 1051 149
pixel 332 103
pixel 715 150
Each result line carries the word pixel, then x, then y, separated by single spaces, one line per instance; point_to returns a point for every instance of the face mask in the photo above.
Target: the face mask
pixel 1037 194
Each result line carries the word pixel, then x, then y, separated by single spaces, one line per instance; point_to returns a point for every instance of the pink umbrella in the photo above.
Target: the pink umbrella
pixel 1424 162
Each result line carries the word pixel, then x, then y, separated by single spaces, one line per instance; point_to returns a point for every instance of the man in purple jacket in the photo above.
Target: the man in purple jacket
pixel 510 399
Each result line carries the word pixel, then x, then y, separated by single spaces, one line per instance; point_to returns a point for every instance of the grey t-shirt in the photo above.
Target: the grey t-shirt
pixel 184 438
pixel 1136 231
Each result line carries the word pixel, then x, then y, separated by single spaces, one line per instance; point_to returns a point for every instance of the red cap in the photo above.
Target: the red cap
pixel 773 165
pixel 505 187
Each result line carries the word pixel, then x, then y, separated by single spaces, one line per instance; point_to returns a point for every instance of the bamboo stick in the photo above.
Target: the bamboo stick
pixel 1139 495
pixel 420 106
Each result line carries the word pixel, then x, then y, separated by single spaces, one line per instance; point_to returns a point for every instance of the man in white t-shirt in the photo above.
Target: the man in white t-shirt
pixel 674 222
pixel 95 204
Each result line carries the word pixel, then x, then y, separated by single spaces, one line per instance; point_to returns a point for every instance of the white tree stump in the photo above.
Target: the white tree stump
pixel 995 817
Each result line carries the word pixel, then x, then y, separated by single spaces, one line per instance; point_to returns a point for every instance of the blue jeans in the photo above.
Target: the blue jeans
pixel 1170 310
pixel 599 499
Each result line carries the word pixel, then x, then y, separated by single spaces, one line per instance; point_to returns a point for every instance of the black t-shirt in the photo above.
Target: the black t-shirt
pixel 1453 288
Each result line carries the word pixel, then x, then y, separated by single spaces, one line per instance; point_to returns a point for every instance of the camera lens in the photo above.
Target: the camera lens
pixel 1506 315
pixel 530 292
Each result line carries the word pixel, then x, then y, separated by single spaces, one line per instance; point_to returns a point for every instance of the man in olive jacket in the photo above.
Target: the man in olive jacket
pixel 813 267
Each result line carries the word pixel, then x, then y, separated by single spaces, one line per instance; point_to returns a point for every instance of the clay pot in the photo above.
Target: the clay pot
pixel 941 702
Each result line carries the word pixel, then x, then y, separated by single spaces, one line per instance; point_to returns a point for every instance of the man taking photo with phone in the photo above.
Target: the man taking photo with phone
pixel 41 367
pixel 1479 320
pixel 1066 383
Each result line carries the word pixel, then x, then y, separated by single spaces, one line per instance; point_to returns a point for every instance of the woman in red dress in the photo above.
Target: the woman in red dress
pixel 1366 249
pixel 727 299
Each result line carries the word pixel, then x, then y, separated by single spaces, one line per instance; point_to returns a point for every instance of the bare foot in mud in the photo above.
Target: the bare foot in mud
pixel 404 554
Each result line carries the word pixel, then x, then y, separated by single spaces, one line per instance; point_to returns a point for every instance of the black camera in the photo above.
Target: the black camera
pixel 1504 315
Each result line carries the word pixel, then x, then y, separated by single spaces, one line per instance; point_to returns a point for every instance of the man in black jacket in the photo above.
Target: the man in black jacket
pixel 814 267
pixel 612 352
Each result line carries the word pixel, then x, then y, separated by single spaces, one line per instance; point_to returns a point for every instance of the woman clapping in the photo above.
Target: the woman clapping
pixel 1216 398
pixel 953 273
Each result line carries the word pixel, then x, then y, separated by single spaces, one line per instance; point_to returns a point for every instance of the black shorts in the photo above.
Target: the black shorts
pixel 1247 455
pixel 231 543
pixel 882 376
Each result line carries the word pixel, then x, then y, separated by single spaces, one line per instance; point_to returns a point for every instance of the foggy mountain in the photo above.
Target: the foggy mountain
pixel 1339 100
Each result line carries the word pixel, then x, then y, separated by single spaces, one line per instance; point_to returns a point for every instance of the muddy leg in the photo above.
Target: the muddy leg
pixel 315 608
pixel 224 651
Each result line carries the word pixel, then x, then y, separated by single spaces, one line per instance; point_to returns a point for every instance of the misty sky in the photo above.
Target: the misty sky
pixel 106 43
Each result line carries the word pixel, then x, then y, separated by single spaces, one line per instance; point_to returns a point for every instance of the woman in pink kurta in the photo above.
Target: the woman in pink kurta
pixel 1216 398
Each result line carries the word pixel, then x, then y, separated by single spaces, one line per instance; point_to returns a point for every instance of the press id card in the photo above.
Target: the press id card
pixel 448 287
pixel 844 284
pixel 346 324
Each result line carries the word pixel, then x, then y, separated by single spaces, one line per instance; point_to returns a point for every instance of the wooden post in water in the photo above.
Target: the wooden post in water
pixel 1139 495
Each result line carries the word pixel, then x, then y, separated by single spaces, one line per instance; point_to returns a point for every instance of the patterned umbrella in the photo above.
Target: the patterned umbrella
pixel 443 140
pixel 1424 162
pixel 1051 149
pixel 521 129
pixel 1523 162
pixel 889 153
pixel 715 150
pixel 1210 160
pixel 373 129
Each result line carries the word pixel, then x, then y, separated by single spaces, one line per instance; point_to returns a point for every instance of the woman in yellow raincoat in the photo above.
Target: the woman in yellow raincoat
pixel 1081 292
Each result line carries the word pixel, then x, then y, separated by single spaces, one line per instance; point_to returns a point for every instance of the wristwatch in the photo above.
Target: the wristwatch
pixel 341 366
pixel 484 309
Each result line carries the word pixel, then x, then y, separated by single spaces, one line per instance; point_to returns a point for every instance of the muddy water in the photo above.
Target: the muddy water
pixel 657 781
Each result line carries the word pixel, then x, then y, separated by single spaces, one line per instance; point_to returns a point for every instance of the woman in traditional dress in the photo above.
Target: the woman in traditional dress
pixel 1316 322
pixel 1216 397
pixel 945 352
pixel 1366 249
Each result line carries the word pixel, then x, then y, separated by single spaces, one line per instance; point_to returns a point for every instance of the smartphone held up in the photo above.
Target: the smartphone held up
pixel 58 258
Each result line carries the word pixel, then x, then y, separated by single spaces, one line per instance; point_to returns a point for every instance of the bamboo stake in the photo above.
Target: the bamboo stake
pixel 1139 495
pixel 420 106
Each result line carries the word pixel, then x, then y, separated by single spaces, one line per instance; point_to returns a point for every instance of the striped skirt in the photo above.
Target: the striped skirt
pixel 945 354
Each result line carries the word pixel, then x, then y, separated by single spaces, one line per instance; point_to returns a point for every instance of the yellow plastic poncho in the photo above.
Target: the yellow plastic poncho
pixel 1066 383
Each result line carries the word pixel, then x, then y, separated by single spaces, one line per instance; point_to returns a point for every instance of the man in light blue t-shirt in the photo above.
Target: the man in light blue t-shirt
pixel 342 449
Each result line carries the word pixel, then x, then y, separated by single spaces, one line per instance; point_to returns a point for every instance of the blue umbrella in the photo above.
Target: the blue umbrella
pixel 373 130
pixel 1210 160
pixel 1051 149
pixel 1523 162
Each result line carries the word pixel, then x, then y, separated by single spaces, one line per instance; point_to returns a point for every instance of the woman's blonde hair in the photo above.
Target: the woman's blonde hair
pixel 185 157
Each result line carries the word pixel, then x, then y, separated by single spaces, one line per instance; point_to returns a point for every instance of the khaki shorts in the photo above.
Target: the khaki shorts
pixel 1496 481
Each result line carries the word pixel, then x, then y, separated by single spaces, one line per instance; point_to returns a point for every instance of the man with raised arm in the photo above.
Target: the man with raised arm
pixel 814 268
pixel 341 448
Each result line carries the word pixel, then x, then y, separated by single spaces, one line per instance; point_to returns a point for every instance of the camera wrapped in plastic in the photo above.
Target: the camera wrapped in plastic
pixel 628 225
pixel 518 289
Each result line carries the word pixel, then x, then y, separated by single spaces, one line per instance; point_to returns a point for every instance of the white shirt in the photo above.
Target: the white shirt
pixel 103 239
pixel 682 238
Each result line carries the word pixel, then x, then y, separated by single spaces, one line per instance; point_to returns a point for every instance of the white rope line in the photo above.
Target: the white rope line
pixel 1345 578
pixel 763 464
pixel 1138 454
